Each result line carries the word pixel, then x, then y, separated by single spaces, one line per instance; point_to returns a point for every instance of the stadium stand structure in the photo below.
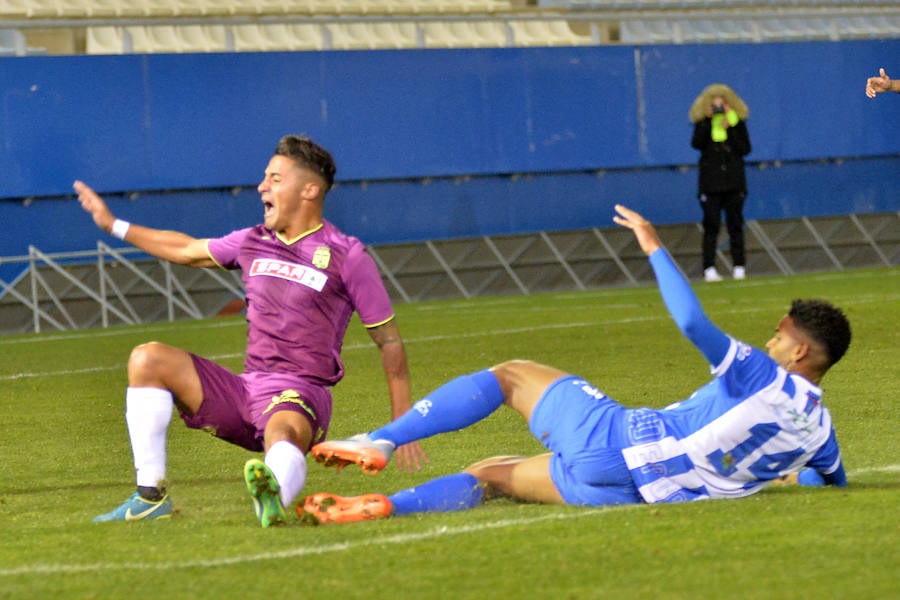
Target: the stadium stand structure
pixel 122 286
pixel 587 5
pixel 179 26
pixel 107 286
pixel 688 31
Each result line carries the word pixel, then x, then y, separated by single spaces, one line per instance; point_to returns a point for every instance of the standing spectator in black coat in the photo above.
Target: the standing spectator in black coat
pixel 720 134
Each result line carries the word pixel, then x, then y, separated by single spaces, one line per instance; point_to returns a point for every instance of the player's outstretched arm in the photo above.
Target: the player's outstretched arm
pixel 677 294
pixel 642 228
pixel 882 83
pixel 393 359
pixel 172 246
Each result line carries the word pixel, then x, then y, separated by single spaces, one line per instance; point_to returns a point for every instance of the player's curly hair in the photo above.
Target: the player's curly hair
pixel 824 323
pixel 308 155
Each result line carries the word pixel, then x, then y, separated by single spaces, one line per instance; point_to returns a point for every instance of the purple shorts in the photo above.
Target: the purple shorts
pixel 236 408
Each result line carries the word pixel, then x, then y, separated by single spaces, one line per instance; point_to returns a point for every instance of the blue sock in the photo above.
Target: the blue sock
pixel 454 405
pixel 444 494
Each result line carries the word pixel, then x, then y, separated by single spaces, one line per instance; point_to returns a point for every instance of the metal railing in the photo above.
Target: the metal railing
pixel 108 286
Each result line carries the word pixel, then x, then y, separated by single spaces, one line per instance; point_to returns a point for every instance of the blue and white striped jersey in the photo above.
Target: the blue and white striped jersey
pixel 752 423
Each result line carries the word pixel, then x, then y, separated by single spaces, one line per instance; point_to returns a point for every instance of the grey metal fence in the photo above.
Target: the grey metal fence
pixel 108 286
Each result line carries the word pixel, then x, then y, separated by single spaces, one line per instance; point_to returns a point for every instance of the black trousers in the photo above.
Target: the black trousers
pixel 713 204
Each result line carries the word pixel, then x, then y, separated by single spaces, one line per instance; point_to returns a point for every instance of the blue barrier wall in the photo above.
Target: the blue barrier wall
pixel 413 210
pixel 204 120
pixel 588 126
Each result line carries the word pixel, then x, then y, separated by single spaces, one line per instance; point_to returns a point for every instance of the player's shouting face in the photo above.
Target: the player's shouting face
pixel 283 191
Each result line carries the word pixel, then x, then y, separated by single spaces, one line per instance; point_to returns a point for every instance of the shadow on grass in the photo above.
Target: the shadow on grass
pixel 113 485
pixel 852 486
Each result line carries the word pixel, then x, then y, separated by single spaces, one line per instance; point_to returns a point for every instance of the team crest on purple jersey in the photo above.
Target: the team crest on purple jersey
pixel 322 257
pixel 299 327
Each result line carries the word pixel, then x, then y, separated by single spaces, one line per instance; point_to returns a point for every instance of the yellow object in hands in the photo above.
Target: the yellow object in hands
pixel 718 129
pixel 732 117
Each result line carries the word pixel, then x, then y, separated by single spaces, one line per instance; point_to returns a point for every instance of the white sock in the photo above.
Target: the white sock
pixel 148 412
pixel 288 465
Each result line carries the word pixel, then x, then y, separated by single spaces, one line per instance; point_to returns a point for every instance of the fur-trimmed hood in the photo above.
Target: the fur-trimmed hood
pixel 698 108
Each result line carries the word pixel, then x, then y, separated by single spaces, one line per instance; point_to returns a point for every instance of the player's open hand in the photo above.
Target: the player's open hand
pixel 643 230
pixel 95 205
pixel 410 457
pixel 790 479
pixel 875 85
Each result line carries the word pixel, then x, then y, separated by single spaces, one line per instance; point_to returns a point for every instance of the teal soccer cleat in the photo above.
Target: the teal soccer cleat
pixel 138 509
pixel 264 490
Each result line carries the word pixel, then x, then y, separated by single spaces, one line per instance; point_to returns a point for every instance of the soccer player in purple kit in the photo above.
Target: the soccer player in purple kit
pixel 303 279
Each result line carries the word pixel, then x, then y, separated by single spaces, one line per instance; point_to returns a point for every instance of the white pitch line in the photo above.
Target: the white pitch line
pixel 867 470
pixel 431 338
pixel 93 333
pixel 405 538
pixel 476 302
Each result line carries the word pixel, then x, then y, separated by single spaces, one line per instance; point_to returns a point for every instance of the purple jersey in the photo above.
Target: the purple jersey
pixel 301 295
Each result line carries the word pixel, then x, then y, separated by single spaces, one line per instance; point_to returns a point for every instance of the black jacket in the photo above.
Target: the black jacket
pixel 721 163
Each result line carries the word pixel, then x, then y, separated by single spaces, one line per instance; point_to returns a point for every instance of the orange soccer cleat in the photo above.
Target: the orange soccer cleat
pixel 371 455
pixel 329 508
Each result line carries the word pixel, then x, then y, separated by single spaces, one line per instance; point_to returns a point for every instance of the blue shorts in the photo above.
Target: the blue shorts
pixel 584 430
pixel 236 408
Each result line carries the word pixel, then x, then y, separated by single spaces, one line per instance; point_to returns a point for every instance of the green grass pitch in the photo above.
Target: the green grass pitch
pixel 66 458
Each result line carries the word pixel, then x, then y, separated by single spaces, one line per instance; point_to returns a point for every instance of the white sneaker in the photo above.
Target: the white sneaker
pixel 710 274
pixel 740 273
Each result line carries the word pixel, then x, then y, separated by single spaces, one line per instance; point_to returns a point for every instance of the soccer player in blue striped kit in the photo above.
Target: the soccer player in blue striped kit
pixel 759 420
